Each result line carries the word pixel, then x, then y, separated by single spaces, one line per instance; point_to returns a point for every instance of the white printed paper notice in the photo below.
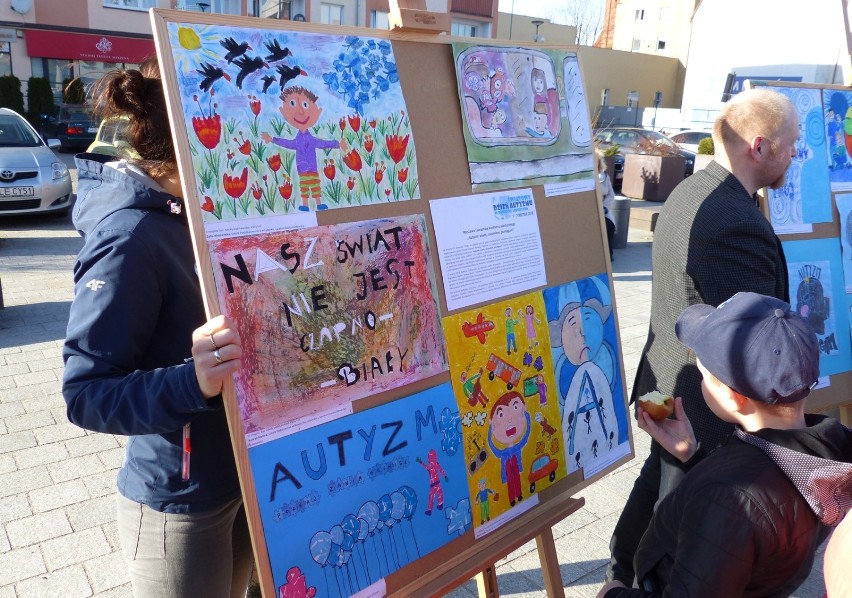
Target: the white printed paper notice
pixel 489 246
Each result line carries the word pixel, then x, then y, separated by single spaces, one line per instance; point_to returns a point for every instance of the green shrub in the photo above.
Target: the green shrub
pixel 705 146
pixel 39 98
pixel 10 93
pixel 73 92
pixel 612 150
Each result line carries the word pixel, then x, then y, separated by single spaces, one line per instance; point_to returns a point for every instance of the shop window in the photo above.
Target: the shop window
pixel 5 59
pixel 331 14
pixel 464 29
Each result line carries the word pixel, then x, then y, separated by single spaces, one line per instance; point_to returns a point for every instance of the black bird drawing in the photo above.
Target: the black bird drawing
pixel 247 67
pixel 234 49
pixel 276 52
pixel 267 81
pixel 288 73
pixel 211 75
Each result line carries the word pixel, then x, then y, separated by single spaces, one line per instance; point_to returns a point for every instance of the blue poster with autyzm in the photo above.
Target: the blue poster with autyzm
pixel 817 293
pixel 346 503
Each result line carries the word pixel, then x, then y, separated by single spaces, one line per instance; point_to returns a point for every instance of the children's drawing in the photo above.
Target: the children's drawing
pixel 805 196
pixel 837 106
pixel 327 315
pixel 526 116
pixel 285 121
pixel 844 209
pixel 815 273
pixel 351 501
pixel 588 373
pixel 502 378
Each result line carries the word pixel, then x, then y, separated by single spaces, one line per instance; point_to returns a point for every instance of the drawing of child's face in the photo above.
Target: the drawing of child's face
pixel 508 312
pixel 582 335
pixel 300 111
pixel 530 310
pixel 539 122
pixel 499 118
pixel 538 85
pixel 509 422
pixel 481 483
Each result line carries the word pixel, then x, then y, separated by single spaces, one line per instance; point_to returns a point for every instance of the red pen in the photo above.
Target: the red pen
pixel 187 450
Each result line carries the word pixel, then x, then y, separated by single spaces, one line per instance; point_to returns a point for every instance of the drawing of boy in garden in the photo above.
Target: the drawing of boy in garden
pixel 299 108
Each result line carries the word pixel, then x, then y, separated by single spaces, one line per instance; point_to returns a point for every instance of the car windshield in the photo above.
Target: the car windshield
pixel 658 139
pixel 14 132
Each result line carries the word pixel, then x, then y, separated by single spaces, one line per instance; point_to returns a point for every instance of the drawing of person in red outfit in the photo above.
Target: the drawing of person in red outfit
pixel 435 472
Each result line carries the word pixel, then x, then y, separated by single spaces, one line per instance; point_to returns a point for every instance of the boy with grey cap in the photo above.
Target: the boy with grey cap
pixel 747 520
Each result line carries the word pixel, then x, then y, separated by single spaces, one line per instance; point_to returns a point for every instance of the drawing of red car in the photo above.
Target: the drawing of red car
pixel 503 370
pixel 543 467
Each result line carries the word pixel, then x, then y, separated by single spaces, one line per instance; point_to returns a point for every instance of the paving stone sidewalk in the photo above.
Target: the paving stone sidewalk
pixel 57 514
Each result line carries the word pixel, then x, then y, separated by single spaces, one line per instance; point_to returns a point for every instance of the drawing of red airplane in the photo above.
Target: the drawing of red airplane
pixel 479 329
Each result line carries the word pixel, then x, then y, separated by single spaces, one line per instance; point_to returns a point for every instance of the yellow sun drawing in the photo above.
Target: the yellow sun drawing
pixel 192 45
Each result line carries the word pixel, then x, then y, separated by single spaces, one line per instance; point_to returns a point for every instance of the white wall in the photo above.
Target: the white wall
pixel 805 38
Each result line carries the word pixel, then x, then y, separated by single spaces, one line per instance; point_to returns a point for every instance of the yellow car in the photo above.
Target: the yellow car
pixel 112 139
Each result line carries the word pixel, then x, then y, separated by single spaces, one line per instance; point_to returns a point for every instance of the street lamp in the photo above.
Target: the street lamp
pixel 538 23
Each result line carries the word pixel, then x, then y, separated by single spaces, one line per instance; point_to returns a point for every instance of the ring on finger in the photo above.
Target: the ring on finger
pixel 217 355
pixel 215 346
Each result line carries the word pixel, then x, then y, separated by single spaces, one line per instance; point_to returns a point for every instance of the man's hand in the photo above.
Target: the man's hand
pixel 674 435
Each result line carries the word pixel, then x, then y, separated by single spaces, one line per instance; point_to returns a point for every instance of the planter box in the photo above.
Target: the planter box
pixel 651 178
pixel 702 160
pixel 610 167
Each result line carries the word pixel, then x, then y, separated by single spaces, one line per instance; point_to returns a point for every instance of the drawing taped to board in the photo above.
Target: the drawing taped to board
pixel 805 196
pixel 817 293
pixel 503 383
pixel 327 315
pixel 285 121
pixel 525 114
pixel 588 374
pixel 844 209
pixel 351 501
pixel 838 130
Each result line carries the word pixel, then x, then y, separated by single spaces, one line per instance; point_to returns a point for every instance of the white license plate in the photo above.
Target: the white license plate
pixel 93 129
pixel 16 192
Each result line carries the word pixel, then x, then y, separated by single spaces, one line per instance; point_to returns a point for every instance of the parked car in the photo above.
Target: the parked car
pixel 111 138
pixel 633 140
pixel 689 140
pixel 32 178
pixel 75 128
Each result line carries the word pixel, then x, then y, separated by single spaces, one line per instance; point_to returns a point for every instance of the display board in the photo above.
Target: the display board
pixel 810 213
pixel 431 361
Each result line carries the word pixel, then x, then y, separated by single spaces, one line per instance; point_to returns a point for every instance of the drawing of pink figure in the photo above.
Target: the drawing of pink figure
pixel 296 586
pixel 435 472
pixel 531 321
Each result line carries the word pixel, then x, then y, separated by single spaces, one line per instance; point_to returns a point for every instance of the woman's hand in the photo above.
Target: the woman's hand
pixel 674 435
pixel 216 351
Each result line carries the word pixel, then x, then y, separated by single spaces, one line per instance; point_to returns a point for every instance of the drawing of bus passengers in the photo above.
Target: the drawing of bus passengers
pixel 510 429
pixel 539 128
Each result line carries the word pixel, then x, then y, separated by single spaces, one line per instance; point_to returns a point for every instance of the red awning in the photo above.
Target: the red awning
pixel 85 46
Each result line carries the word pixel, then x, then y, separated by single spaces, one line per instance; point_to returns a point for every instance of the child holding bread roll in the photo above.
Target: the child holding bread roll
pixel 747 518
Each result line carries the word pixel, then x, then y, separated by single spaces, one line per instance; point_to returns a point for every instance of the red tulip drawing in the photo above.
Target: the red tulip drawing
pixel 286 190
pixel 274 162
pixel 396 147
pixel 208 129
pixel 353 160
pixel 380 171
pixel 373 124
pixel 244 147
pixel 254 105
pixel 387 192
pixel 402 174
pixel 329 170
pixel 368 143
pixel 256 192
pixel 342 123
pixel 351 183
pixel 235 186
pixel 207 206
pixel 355 122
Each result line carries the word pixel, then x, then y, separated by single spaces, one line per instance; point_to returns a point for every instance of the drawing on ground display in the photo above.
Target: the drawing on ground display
pixel 285 121
pixel 844 209
pixel 327 315
pixel 805 197
pixel 351 501
pixel 817 293
pixel 503 381
pixel 526 119
pixel 587 371
pixel 838 129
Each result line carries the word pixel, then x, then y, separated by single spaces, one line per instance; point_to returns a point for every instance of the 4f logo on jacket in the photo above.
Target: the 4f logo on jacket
pixel 95 284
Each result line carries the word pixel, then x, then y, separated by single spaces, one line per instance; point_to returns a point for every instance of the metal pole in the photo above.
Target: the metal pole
pixel 511 19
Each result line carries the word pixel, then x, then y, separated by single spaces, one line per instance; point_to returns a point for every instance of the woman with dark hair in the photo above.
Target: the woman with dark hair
pixel 141 361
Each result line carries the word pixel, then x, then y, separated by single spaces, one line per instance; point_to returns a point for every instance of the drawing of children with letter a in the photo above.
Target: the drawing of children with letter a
pixel 299 108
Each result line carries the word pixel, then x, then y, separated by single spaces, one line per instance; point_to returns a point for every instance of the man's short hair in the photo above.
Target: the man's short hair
pixel 288 91
pixel 751 113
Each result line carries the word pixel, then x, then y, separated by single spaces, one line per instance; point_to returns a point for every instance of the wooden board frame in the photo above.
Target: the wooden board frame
pixel 836 395
pixel 443 167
